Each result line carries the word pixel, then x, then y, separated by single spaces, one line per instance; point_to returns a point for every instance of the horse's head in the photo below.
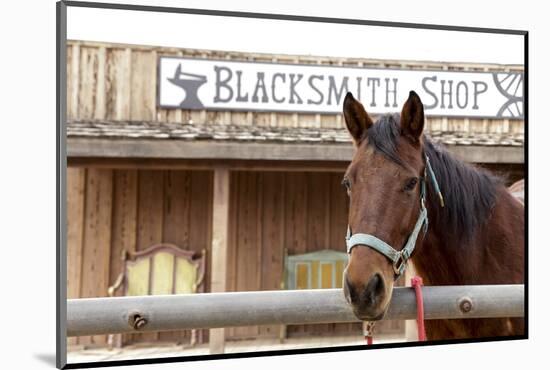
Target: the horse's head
pixel 383 182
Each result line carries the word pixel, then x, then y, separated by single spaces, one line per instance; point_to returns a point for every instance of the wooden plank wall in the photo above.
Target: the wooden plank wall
pixel 112 210
pixel 269 211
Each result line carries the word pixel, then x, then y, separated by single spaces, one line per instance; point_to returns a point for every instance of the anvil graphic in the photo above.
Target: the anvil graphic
pixel 190 83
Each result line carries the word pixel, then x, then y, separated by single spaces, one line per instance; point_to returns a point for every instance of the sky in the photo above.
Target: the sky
pixel 291 37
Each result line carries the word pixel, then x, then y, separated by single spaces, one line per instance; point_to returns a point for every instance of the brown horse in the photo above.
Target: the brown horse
pixel 476 237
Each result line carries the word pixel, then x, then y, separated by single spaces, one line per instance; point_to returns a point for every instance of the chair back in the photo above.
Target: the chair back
pixel 316 270
pixel 164 269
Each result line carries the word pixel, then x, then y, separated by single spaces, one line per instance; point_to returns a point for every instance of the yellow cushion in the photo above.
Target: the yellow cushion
pixel 169 275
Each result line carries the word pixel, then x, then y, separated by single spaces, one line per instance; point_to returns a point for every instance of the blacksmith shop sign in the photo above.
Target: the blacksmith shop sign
pixel 273 87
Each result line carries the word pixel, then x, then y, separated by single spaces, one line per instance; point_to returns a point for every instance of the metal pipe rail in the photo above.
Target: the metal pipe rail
pixel 91 316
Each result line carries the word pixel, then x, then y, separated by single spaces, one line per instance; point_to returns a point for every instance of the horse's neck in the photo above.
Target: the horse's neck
pixel 435 262
pixel 494 255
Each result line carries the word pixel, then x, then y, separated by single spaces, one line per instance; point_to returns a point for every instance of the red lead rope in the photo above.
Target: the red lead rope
pixel 369 339
pixel 416 283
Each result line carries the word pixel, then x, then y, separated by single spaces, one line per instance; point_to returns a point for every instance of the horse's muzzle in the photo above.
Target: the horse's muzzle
pixel 367 301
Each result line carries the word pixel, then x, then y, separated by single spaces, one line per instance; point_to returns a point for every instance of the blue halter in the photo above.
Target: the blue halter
pixel 399 258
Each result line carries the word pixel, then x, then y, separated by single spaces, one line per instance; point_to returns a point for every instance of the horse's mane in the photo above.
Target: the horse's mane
pixel 469 192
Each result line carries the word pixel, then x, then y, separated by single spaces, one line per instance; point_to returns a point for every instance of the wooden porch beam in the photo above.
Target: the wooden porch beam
pixel 208 164
pixel 220 230
pixel 208 150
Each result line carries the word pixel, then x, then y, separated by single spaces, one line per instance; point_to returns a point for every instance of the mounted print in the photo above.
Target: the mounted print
pixel 320 184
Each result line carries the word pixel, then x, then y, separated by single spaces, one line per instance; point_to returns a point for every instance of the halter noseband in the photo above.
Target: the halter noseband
pixel 399 258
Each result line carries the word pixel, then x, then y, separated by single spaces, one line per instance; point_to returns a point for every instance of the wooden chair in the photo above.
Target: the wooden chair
pixel 160 269
pixel 322 269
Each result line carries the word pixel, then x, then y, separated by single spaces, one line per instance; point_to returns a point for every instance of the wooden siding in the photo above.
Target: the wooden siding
pixel 118 82
pixel 114 210
pixel 269 211
pixel 111 210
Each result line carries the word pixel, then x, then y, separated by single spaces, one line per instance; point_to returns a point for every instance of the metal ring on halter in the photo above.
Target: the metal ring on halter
pixel 399 265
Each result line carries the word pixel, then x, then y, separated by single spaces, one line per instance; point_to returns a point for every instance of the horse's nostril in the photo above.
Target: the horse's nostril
pixel 374 288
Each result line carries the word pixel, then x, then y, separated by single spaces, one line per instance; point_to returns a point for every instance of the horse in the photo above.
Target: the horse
pixel 458 223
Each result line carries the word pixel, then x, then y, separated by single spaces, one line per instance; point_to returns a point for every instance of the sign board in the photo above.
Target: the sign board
pixel 188 83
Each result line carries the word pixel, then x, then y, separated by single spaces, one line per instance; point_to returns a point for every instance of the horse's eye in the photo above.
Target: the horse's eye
pixel 411 183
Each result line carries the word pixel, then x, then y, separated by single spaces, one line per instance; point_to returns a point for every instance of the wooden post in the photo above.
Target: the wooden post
pixel 220 230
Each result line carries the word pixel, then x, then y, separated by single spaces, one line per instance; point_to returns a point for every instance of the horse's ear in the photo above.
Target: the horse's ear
pixel 356 117
pixel 412 117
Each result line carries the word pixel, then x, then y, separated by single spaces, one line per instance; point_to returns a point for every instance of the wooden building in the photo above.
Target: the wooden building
pixel 243 185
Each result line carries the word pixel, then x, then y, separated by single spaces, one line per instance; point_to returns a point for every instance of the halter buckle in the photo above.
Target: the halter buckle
pixel 399 264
